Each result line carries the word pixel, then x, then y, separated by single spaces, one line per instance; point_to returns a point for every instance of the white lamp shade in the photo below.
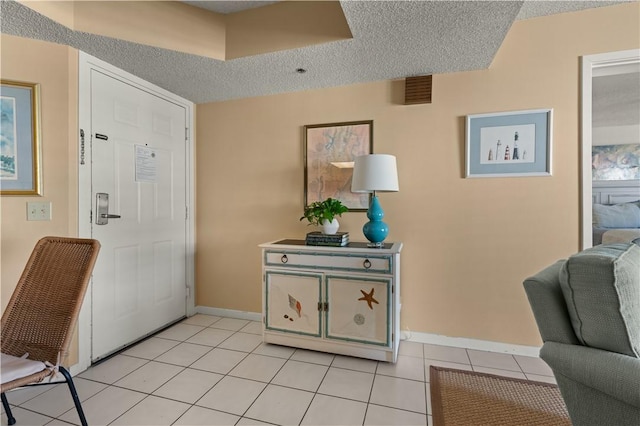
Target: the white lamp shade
pixel 375 172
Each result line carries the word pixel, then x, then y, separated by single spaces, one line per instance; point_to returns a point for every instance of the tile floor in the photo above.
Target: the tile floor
pixel 209 370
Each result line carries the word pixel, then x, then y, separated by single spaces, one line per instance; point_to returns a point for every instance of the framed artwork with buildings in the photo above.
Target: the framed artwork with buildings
pixel 20 139
pixel 329 152
pixel 508 144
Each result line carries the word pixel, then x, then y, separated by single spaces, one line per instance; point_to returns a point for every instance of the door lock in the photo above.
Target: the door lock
pixel 102 207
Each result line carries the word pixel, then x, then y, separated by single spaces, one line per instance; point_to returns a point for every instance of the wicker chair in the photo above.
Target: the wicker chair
pixel 38 323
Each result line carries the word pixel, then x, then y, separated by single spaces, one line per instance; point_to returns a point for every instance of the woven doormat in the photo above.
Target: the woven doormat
pixel 460 398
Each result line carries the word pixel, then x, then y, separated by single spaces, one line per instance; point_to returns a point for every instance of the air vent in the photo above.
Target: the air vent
pixel 417 90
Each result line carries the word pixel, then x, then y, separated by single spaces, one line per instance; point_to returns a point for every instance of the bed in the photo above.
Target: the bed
pixel 616 212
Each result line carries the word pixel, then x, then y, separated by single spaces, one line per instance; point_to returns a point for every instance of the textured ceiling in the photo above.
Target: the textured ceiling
pixel 391 39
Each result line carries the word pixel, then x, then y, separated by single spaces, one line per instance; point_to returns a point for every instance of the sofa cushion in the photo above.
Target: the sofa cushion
pixel 601 286
pixel 625 215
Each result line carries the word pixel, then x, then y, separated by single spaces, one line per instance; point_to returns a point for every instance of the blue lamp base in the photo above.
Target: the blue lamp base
pixel 375 230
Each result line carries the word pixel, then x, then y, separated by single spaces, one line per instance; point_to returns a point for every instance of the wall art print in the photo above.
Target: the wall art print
pixel 19 139
pixel 615 162
pixel 508 144
pixel 329 152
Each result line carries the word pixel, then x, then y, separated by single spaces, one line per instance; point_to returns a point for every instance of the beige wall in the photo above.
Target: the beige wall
pixel 55 68
pixel 468 243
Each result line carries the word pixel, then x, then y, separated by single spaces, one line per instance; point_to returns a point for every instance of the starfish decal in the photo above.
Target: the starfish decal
pixel 368 297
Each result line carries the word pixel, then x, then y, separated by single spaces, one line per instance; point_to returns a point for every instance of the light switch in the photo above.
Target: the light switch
pixel 39 211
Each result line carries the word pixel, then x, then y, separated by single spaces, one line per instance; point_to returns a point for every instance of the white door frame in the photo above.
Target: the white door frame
pixel 87 63
pixel 588 64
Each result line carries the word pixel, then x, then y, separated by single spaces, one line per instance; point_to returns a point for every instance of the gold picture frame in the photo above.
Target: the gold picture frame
pixel 20 166
pixel 329 152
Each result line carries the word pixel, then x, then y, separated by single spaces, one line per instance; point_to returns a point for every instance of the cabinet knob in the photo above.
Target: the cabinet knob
pixel 284 258
pixel 366 264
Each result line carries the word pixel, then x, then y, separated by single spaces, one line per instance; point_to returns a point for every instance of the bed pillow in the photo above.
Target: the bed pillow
pixel 601 287
pixel 625 215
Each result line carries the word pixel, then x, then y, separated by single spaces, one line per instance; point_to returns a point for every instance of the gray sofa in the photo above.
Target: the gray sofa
pixel 588 312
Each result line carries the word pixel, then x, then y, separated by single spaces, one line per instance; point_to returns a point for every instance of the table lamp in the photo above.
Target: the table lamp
pixel 375 173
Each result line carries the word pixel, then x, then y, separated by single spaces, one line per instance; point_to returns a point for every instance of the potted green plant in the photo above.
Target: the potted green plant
pixel 323 213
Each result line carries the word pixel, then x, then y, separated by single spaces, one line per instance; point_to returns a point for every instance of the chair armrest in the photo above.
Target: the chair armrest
pixel 548 305
pixel 611 373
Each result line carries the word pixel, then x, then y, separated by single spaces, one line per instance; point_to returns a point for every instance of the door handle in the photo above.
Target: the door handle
pixel 102 207
pixel 110 216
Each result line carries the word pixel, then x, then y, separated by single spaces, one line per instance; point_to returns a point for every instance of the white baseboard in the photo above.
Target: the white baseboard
pixel 463 342
pixel 229 313
pixel 411 336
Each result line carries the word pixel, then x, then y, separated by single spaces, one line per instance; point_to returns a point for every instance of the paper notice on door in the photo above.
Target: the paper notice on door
pixel 146 164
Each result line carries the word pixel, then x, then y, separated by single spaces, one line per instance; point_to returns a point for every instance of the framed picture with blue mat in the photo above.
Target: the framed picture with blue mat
pixel 509 144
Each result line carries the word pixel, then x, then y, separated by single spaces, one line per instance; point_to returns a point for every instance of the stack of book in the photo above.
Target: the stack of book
pixel 339 239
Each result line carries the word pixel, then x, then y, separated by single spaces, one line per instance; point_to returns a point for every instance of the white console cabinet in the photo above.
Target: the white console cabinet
pixel 344 300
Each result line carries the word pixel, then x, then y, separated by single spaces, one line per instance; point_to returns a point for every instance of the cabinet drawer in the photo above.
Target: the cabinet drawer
pixel 330 261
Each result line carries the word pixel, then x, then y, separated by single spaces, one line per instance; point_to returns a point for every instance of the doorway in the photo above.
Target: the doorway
pixel 136 153
pixel 593 66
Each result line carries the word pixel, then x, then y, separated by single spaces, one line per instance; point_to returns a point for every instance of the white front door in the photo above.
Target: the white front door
pixel 138 156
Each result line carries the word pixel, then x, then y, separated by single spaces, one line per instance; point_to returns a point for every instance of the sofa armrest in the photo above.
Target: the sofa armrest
pixel 549 306
pixel 611 373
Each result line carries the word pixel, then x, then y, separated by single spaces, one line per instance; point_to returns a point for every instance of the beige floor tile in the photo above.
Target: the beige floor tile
pixel 300 375
pixel 357 364
pixel 150 348
pixel 347 384
pixel 446 353
pixel 58 400
pixel 25 417
pixel 105 406
pixel 245 421
pixel 274 350
pixel 54 422
pixel 113 369
pixel 201 320
pixel 232 324
pixel 254 327
pixel 312 356
pixel 280 405
pixel 258 367
pixel 408 348
pixel 406 367
pixel 19 396
pixel 264 383
pixel 543 379
pixel 204 417
pixel 219 361
pixel 184 354
pixel 153 411
pixel 149 377
pixel 244 342
pixel 503 373
pixel 493 360
pixel 385 416
pixel 210 337
pixel 399 393
pixel 329 410
pixel 188 386
pixel 533 365
pixel 232 395
pixel 180 331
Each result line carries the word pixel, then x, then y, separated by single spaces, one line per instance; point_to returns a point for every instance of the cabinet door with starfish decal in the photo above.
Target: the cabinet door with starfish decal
pixel 358 309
